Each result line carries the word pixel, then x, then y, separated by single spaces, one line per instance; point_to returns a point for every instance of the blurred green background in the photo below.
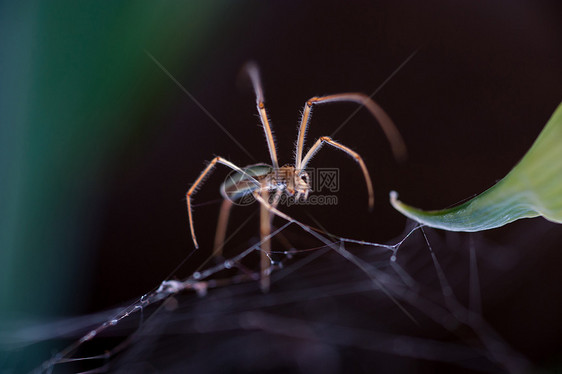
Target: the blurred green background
pixel 76 85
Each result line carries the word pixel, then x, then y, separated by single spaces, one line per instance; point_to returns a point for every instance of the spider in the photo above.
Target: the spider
pixel 262 179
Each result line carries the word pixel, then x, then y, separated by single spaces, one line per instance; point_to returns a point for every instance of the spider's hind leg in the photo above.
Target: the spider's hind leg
pixel 265 232
pixel 222 224
pixel 266 220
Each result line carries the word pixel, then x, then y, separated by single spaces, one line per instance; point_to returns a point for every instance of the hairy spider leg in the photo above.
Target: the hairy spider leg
pixel 200 180
pixel 265 231
pixel 390 130
pixel 324 139
pixel 222 224
pixel 266 220
pixel 253 72
pixel 235 187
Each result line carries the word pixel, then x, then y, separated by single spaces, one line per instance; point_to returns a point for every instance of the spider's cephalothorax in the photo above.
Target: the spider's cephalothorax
pixel 260 180
pixel 291 180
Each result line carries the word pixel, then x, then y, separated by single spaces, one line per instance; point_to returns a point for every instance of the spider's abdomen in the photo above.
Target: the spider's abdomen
pixel 237 185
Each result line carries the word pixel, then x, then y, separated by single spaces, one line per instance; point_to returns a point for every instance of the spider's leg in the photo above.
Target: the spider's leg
pixel 266 219
pixel 200 180
pixel 254 74
pixel 265 232
pixel 390 130
pixel 324 139
pixel 222 224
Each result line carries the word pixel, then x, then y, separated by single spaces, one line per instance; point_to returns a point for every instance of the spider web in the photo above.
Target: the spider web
pixel 340 304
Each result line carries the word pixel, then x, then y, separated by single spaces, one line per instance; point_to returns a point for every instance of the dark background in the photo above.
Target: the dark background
pixel 484 80
pixel 469 105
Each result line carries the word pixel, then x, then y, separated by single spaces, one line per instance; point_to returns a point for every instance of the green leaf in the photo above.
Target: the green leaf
pixel 532 188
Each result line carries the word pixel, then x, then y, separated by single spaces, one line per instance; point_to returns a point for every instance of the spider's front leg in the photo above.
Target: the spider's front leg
pixel 199 182
pixel 325 139
pixel 254 74
pixel 390 130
